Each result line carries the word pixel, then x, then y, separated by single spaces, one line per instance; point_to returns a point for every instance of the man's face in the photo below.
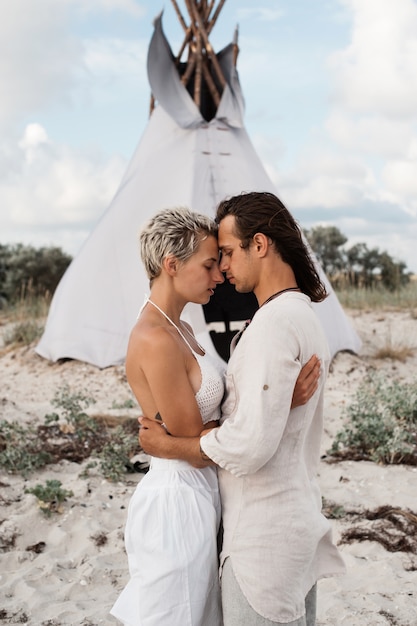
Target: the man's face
pixel 238 263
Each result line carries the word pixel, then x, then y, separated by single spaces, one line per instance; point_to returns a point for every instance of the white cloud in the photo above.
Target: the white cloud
pixel 323 191
pixel 55 188
pixel 42 60
pixel 400 179
pixel 37 57
pixel 322 177
pixel 33 137
pixel 128 6
pixel 370 134
pixel 115 57
pixel 378 70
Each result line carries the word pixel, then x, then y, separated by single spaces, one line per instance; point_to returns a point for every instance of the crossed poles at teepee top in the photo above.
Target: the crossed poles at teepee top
pixel 202 61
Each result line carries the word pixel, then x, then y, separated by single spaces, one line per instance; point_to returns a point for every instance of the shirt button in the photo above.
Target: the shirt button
pixel 265 387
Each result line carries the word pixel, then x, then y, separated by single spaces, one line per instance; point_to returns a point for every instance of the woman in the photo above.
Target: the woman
pixel 174 514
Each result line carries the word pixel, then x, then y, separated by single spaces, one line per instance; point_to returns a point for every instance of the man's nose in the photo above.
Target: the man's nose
pixel 219 277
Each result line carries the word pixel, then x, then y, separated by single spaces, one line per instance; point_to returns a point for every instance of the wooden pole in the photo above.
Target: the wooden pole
pixel 179 14
pixel 198 71
pixel 190 69
pixel 210 52
pixel 188 37
pixel 211 85
pixel 215 16
pixel 209 10
pixel 235 45
pixel 151 104
pixel 202 7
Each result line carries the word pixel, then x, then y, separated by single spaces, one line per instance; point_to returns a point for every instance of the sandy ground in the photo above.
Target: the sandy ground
pixel 78 575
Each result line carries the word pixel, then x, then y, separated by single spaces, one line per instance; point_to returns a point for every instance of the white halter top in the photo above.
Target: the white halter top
pixel 211 391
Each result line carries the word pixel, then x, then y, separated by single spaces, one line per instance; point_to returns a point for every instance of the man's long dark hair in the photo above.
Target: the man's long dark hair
pixel 263 212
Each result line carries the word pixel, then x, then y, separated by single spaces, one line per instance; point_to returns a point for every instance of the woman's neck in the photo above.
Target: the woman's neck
pixel 168 304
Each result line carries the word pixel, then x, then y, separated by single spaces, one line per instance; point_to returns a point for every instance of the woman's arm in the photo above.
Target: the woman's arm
pixel 307 382
pixel 155 441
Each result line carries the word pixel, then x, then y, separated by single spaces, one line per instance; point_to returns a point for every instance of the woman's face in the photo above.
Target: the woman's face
pixel 200 274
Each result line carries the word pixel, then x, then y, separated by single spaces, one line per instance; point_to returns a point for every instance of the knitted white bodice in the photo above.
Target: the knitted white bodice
pixel 211 391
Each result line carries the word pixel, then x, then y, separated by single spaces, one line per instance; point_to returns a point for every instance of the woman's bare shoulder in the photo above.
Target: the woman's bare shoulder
pixel 146 337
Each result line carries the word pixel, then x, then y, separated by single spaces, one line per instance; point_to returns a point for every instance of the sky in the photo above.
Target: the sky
pixel 331 107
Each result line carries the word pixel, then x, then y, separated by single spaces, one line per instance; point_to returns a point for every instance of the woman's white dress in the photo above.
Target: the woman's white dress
pixel 171 534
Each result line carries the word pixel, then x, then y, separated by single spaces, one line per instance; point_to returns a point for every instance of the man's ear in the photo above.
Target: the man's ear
pixel 261 243
pixel 170 264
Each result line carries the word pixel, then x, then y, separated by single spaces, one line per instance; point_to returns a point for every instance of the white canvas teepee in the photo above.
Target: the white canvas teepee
pixel 182 160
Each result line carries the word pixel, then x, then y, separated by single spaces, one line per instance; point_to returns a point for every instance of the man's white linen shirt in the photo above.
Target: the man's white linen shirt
pixel 278 540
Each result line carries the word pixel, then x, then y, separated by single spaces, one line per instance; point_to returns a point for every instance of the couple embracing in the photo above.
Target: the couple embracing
pixel 248 437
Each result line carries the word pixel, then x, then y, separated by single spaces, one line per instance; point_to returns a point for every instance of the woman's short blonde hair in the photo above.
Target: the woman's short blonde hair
pixel 177 232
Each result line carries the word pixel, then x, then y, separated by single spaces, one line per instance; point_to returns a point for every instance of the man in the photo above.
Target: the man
pixel 276 543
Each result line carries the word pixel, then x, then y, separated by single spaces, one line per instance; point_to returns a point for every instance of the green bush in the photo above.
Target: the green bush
pixel 381 423
pixel 21 450
pixel 71 434
pixel 71 406
pixel 50 496
pixel 126 404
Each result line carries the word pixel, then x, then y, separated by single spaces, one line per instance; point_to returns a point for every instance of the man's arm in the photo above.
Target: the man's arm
pixel 155 441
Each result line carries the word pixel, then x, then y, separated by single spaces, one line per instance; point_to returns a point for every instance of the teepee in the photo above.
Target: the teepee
pixel 194 152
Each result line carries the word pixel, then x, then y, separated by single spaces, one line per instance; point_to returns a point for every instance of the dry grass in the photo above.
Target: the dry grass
pixel 396 346
pixel 396 353
pixel 379 298
pixel 22 322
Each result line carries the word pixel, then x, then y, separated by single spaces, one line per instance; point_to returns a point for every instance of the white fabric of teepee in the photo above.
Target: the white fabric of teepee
pixel 181 160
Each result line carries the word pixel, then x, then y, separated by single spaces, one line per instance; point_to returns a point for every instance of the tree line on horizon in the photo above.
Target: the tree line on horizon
pixel 356 266
pixel 26 270
pixel 29 271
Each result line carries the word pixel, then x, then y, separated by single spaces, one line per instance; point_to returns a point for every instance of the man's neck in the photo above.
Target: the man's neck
pixel 274 294
pixel 275 276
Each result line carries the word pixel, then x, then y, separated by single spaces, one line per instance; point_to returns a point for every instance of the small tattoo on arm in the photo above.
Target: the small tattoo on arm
pixel 158 418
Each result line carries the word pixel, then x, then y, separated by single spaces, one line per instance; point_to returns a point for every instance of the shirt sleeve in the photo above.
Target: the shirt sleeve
pixel 265 368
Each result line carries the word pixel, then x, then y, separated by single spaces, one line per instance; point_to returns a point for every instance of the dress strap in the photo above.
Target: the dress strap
pixel 177 328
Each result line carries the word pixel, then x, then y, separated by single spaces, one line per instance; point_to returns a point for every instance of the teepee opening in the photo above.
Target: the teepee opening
pixel 200 72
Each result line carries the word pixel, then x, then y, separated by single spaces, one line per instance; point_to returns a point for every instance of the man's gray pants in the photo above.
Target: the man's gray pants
pixel 238 612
